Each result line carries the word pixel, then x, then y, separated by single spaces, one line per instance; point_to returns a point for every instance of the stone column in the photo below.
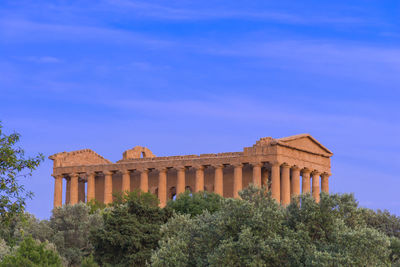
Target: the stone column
pixel 68 191
pixel 237 179
pixel 285 184
pixel 144 180
pixel 90 187
pixel 325 182
pixel 162 187
pixel 57 190
pixel 305 181
pixel 315 185
pixel 126 181
pixel 108 187
pixel 295 182
pixel 199 183
pixel 74 189
pixel 275 182
pixel 219 180
pixel 257 174
pixel 81 191
pixel 180 180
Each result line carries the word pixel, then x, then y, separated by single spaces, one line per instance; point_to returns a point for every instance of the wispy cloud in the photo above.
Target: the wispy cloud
pixel 44 59
pixel 168 11
pixel 362 61
pixel 357 128
pixel 12 30
pixel 146 9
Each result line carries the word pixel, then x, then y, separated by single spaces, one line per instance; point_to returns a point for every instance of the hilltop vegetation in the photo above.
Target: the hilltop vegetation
pixel 196 229
pixel 204 229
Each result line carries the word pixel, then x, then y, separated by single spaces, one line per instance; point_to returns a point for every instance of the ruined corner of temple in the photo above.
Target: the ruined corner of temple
pixel 277 164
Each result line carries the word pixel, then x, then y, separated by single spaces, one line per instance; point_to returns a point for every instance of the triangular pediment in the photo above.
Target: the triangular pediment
pixel 307 143
pixel 77 158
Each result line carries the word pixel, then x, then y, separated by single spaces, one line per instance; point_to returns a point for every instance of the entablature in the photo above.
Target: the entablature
pixel 300 150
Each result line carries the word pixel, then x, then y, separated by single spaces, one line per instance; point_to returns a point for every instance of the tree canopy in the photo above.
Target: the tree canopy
pixel 256 231
pixel 32 253
pixel 71 226
pixel 195 203
pixel 251 231
pixel 13 164
pixel 131 230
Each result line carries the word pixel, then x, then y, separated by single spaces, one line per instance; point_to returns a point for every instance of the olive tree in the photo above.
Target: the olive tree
pixel 256 231
pixel 71 226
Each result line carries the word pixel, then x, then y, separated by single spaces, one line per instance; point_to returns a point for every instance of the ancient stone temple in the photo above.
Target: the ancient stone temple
pixel 274 163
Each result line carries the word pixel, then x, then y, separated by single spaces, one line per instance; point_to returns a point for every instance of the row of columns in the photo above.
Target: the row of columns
pixel 285 183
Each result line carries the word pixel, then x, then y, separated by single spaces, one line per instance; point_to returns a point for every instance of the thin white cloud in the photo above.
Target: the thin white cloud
pixel 243 109
pixel 14 30
pixel 358 61
pixel 168 11
pixel 146 9
pixel 370 136
pixel 44 59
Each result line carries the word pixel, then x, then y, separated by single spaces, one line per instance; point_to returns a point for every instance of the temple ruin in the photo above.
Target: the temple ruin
pixel 274 163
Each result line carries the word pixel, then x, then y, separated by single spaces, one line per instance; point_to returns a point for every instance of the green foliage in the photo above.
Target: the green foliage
pixel 195 203
pixel 23 224
pixel 72 225
pixel 136 196
pixel 256 231
pixel 395 251
pixel 28 224
pixel 388 224
pixel 130 231
pixel 382 221
pixel 89 262
pixel 13 164
pixel 95 206
pixel 10 230
pixel 4 249
pixel 32 253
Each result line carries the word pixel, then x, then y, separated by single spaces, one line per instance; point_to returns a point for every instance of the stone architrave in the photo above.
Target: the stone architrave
pixel 57 191
pixel 275 182
pixel 237 179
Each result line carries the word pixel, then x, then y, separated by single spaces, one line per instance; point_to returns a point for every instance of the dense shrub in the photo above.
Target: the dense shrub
pixel 195 203
pixel 131 230
pixel 256 231
pixel 204 229
pixel 32 253
pixel 72 225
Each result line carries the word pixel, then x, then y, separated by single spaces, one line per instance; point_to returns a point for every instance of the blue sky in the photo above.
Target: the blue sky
pixel 191 77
